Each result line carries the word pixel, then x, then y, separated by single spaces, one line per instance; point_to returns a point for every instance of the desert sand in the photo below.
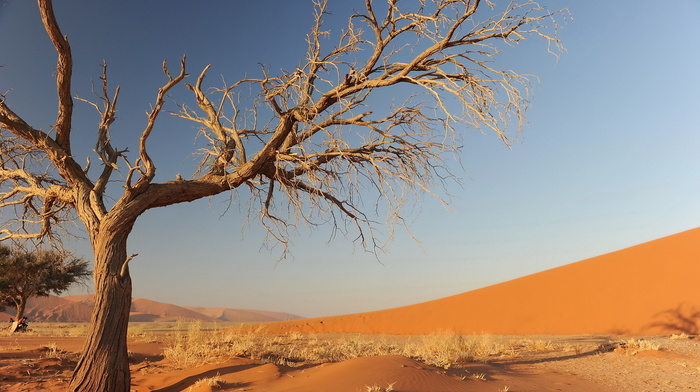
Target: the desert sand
pixel 586 312
pixel 30 363
pixel 650 288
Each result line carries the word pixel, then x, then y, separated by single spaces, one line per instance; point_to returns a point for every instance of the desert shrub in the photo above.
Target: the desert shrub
pixel 633 346
pixel 442 350
pixel 214 382
pixel 52 351
pixel 190 346
pixel 681 335
pixel 538 345
pixel 437 350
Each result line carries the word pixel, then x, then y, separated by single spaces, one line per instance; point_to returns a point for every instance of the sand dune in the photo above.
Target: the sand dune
pixel 53 309
pixel 243 315
pixel 77 308
pixel 165 312
pixel 401 372
pixel 645 289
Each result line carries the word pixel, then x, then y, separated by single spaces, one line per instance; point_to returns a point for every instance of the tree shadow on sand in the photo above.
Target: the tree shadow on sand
pixel 602 344
pixel 681 319
pixel 596 351
pixel 191 380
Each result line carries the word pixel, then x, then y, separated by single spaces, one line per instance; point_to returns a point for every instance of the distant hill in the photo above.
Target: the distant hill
pixel 243 315
pixel 77 308
pixel 651 288
pixel 54 309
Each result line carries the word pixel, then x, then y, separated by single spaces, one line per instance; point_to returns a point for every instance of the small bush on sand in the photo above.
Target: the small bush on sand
pixel 633 346
pixel 214 382
pixel 190 346
pixel 375 388
pixel 442 350
pixel 682 335
pixel 52 351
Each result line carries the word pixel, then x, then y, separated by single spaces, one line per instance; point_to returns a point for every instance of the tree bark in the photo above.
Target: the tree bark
pixel 21 306
pixel 104 364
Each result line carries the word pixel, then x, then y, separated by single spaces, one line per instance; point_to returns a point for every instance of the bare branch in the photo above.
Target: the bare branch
pixel 321 133
pixel 38 201
pixel 150 168
pixel 339 140
pixel 64 69
pixel 104 149
pixel 123 272
pixel 224 141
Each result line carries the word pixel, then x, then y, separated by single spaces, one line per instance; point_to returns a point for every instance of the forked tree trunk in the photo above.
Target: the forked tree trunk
pixel 104 364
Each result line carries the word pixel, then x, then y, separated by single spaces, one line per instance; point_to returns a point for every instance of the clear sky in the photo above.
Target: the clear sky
pixel 610 157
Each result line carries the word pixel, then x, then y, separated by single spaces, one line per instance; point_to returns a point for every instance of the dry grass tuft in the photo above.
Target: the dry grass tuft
pixel 214 382
pixel 52 351
pixel 630 346
pixel 633 346
pixel 190 346
pixel 480 376
pixel 682 335
pixel 375 388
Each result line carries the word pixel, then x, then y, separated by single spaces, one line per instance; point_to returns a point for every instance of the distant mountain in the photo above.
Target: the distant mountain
pixel 54 309
pixel 243 315
pixel 77 308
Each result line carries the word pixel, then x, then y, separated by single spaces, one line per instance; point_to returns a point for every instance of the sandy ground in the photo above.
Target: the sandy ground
pixel 30 363
pixel 588 309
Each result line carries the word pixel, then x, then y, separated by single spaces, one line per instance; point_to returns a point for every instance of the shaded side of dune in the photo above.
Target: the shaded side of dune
pixel 645 289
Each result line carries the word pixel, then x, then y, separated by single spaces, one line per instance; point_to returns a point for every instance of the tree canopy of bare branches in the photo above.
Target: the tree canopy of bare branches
pixel 320 144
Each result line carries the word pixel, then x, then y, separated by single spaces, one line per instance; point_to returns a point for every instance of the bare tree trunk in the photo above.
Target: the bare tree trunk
pixel 21 307
pixel 104 365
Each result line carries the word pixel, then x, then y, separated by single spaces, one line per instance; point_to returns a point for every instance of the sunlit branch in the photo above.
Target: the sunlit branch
pixel 64 69
pixel 149 170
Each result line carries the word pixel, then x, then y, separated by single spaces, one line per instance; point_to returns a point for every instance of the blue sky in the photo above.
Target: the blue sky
pixel 609 159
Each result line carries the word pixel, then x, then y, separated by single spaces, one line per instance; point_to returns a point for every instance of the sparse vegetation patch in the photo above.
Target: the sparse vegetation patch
pixel 191 346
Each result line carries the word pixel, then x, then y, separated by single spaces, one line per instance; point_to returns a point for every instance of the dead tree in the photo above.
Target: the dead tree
pixel 310 145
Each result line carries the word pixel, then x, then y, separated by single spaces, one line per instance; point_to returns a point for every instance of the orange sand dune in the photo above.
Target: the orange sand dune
pixel 650 288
